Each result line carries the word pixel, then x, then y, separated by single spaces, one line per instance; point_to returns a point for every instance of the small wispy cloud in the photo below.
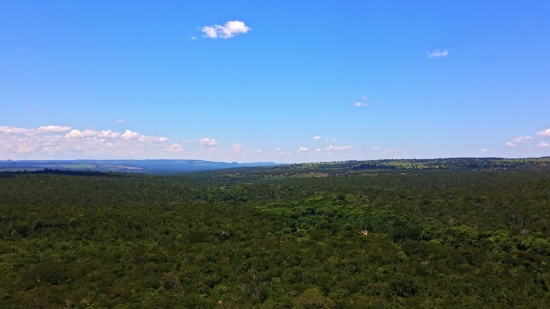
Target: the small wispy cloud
pixel 362 102
pixel 120 120
pixel 301 150
pixel 522 139
pixel 438 53
pixel 484 150
pixel 317 137
pixel 229 30
pixel 193 38
pixel 543 144
pixel 391 150
pixel 338 148
pixel 510 144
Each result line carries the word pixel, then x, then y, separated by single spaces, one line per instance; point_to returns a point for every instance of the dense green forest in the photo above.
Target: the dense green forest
pixel 444 233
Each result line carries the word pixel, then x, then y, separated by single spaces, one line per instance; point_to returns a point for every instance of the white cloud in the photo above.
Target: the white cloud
pixel 301 150
pixel 230 29
pixel 152 139
pixel 359 104
pixel 438 53
pixel 53 129
pixel 544 133
pixel 173 148
pixel 364 98
pixel 53 143
pixel 318 150
pixel 543 144
pixel 120 121
pixel 392 150
pixel 79 134
pixel 336 148
pixel 334 140
pixel 237 147
pixel 13 130
pixel 193 38
pixel 108 134
pixel 317 137
pixel 510 144
pixel 484 150
pixel 522 139
pixel 129 135
pixel 208 142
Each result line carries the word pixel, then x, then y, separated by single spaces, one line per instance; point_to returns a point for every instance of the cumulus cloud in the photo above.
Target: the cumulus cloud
pixel 544 133
pixel 543 144
pixel 510 144
pixel 301 150
pixel 438 53
pixel 522 139
pixel 208 142
pixel 52 142
pixel 108 134
pixel 129 135
pixel 13 130
pixel 74 134
pixel 484 150
pixel 229 30
pixel 53 129
pixel 173 148
pixel 317 137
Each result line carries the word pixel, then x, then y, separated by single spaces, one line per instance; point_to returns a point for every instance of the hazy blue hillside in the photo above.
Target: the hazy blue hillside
pixel 141 166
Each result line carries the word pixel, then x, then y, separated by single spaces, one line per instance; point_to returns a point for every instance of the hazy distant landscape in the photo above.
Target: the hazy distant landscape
pixel 129 166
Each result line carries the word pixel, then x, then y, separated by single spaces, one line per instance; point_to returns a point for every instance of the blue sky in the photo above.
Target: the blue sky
pixel 284 81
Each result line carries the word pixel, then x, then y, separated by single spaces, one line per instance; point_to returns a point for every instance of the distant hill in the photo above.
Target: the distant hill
pixel 139 166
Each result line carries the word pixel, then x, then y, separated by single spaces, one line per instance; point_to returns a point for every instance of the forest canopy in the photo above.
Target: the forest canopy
pixel 447 233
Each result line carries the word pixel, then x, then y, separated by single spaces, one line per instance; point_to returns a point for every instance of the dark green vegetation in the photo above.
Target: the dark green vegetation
pixel 441 234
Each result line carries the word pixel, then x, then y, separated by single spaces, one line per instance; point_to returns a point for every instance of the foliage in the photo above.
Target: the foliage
pixel 433 239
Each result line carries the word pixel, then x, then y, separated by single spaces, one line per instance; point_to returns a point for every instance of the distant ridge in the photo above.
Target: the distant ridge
pixel 125 165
